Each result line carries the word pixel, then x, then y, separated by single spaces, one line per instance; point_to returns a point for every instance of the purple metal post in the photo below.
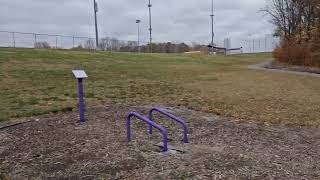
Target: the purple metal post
pixel 81 101
pixel 152 124
pixel 183 123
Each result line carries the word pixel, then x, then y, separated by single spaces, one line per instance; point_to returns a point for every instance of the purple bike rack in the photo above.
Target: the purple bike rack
pixel 180 121
pixel 151 123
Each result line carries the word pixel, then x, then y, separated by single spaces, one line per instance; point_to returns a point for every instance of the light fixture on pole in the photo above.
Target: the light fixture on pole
pixel 96 22
pixel 150 27
pixel 138 22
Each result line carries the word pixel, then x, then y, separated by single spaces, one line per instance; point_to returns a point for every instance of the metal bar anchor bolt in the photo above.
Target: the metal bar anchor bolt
pixel 151 123
pixel 180 121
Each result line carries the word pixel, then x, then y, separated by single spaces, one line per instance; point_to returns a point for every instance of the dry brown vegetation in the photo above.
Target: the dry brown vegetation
pixel 298 25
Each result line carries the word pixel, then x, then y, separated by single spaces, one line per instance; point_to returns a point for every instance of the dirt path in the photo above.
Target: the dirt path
pixel 57 147
pixel 263 66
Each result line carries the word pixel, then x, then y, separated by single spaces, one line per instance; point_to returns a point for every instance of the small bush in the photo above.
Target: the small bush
pixel 295 54
pixel 299 51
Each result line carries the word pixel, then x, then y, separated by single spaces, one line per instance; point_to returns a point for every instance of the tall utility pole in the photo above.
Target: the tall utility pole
pixel 150 27
pixel 138 22
pixel 212 33
pixel 96 22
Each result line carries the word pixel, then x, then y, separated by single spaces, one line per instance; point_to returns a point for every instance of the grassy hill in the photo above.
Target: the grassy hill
pixel 35 82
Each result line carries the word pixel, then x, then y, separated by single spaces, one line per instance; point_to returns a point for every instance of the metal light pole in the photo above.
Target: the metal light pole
pixel 212 33
pixel 138 22
pixel 96 22
pixel 150 27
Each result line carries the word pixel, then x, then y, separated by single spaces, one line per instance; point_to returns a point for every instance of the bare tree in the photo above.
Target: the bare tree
pixel 115 44
pixel 104 44
pixel 90 44
pixel 42 45
pixel 298 25
pixel 283 14
pixel 294 19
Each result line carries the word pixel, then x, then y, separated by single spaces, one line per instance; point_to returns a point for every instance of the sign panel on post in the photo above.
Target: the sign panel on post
pixel 80 75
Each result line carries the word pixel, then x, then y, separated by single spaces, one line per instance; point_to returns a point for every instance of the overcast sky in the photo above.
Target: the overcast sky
pixel 173 20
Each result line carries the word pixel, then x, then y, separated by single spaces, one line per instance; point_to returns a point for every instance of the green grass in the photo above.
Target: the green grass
pixel 35 82
pixel 181 175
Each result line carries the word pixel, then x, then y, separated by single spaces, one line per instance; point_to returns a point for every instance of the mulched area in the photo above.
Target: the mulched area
pixel 58 147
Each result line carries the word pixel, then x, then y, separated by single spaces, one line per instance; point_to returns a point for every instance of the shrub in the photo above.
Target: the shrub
pixel 315 48
pixel 298 25
pixel 297 54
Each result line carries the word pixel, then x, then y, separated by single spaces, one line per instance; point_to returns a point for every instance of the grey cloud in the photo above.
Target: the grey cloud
pixel 173 20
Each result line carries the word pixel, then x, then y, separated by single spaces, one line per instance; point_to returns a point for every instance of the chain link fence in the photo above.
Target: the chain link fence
pixel 265 43
pixel 35 40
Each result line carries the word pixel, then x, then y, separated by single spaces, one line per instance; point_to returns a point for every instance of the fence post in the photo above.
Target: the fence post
pixel 253 48
pixel 73 41
pixel 61 42
pixel 14 40
pixel 35 40
pixel 56 42
pixel 265 43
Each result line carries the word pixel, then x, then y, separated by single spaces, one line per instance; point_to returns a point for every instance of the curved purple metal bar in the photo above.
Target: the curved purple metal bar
pixel 151 123
pixel 180 121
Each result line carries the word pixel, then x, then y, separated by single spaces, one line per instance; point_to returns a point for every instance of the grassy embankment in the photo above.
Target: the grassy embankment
pixel 35 82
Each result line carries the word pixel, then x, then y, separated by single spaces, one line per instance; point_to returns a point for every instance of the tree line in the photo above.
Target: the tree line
pixel 113 44
pixel 298 24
